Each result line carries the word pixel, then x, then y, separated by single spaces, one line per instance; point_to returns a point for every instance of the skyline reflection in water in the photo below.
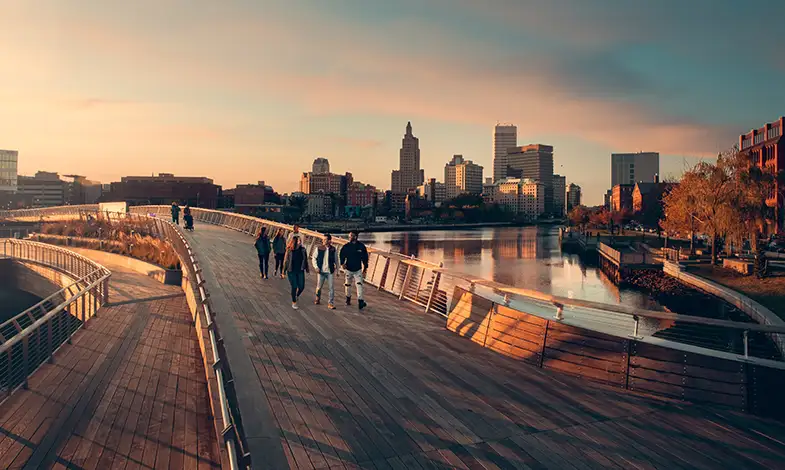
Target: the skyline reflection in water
pixel 525 257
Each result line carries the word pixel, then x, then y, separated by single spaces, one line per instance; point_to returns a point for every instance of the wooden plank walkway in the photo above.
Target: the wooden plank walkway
pixel 390 387
pixel 129 393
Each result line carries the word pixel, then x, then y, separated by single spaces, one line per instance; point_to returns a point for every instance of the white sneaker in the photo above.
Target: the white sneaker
pixel 294 306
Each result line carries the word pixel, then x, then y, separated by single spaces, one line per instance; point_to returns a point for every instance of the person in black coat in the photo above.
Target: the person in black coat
pixel 354 261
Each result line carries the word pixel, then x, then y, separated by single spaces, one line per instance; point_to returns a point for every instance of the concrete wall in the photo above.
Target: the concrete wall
pixel 756 311
pixel 44 281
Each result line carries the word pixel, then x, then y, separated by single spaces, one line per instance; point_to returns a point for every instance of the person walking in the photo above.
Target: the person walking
pixel 296 265
pixel 354 261
pixel 279 251
pixel 295 233
pixel 325 262
pixel 175 213
pixel 188 219
pixel 262 245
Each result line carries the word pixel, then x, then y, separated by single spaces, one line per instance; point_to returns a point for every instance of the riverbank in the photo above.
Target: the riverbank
pixel 769 292
pixel 381 228
pixel 680 298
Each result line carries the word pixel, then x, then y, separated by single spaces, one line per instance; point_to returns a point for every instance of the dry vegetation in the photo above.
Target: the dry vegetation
pixel 132 238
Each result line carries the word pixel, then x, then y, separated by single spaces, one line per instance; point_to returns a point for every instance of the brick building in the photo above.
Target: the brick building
pixel 766 149
pixel 621 197
pixel 164 189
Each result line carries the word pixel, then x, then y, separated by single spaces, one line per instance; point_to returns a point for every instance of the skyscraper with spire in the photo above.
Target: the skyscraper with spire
pixel 409 175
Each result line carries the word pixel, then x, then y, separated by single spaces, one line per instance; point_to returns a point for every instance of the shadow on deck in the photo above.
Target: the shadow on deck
pixel 129 392
pixel 390 387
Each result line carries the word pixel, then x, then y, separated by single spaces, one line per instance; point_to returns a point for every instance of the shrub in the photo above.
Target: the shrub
pixel 128 237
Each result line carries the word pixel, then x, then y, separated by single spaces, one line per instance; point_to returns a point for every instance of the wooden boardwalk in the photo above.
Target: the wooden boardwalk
pixel 129 393
pixel 390 387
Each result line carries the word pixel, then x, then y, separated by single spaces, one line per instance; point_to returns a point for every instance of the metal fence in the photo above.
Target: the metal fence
pixel 432 287
pixel 203 316
pixel 32 337
pixel 436 290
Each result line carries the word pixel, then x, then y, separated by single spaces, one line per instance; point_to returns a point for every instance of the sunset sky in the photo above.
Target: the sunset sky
pixel 252 90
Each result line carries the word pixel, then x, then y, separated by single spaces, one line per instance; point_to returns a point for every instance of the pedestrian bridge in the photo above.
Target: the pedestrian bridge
pixel 441 370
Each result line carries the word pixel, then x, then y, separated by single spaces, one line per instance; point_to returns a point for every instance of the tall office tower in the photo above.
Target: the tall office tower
pixel 533 161
pixel 631 168
pixel 409 176
pixel 559 195
pixel 505 136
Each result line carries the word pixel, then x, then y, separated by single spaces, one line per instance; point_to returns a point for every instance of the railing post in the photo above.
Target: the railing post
pixel 25 359
pixel 406 278
pixel 49 325
pixel 434 286
pixel 746 344
pixel 635 326
pixel 384 273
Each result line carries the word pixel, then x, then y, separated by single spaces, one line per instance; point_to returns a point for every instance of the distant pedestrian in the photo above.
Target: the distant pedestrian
pixel 295 233
pixel 188 218
pixel 296 265
pixel 175 214
pixel 354 261
pixel 279 251
pixel 262 245
pixel 325 261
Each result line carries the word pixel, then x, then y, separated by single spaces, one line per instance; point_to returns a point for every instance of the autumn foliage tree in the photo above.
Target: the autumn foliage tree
pixel 724 199
pixel 579 217
pixel 703 201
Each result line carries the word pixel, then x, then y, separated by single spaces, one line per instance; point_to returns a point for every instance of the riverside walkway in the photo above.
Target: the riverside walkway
pixel 391 387
pixel 128 393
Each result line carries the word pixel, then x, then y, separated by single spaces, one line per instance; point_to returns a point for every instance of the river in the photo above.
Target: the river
pixel 525 257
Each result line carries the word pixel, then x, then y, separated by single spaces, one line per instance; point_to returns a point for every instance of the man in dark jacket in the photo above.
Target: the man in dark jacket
pixel 325 261
pixel 354 261
pixel 175 213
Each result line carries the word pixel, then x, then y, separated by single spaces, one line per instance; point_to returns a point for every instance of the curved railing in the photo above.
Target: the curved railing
pixel 433 288
pixel 230 427
pixel 689 357
pixel 697 359
pixel 48 212
pixel 32 337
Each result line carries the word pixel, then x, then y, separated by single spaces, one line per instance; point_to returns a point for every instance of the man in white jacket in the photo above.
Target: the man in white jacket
pixel 325 262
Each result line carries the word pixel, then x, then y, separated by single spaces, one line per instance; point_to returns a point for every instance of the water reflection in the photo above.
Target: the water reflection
pixel 526 257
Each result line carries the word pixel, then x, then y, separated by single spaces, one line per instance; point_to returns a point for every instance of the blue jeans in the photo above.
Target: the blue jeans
pixel 297 281
pixel 321 278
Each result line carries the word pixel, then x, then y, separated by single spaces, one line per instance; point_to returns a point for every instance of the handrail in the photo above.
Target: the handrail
pixel 231 433
pixel 434 288
pixel 81 300
pixel 209 216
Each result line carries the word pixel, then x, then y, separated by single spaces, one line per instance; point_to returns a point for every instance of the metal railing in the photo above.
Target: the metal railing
pixel 437 290
pixel 47 212
pixel 173 235
pixel 32 337
pixel 232 430
pixel 432 287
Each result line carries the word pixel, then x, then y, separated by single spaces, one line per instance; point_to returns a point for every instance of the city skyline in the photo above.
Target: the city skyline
pixel 108 91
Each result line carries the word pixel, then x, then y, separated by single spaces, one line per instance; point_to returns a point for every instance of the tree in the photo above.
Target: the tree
pixel 703 201
pixel 465 201
pixel 300 202
pixel 752 187
pixel 600 218
pixel 579 217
